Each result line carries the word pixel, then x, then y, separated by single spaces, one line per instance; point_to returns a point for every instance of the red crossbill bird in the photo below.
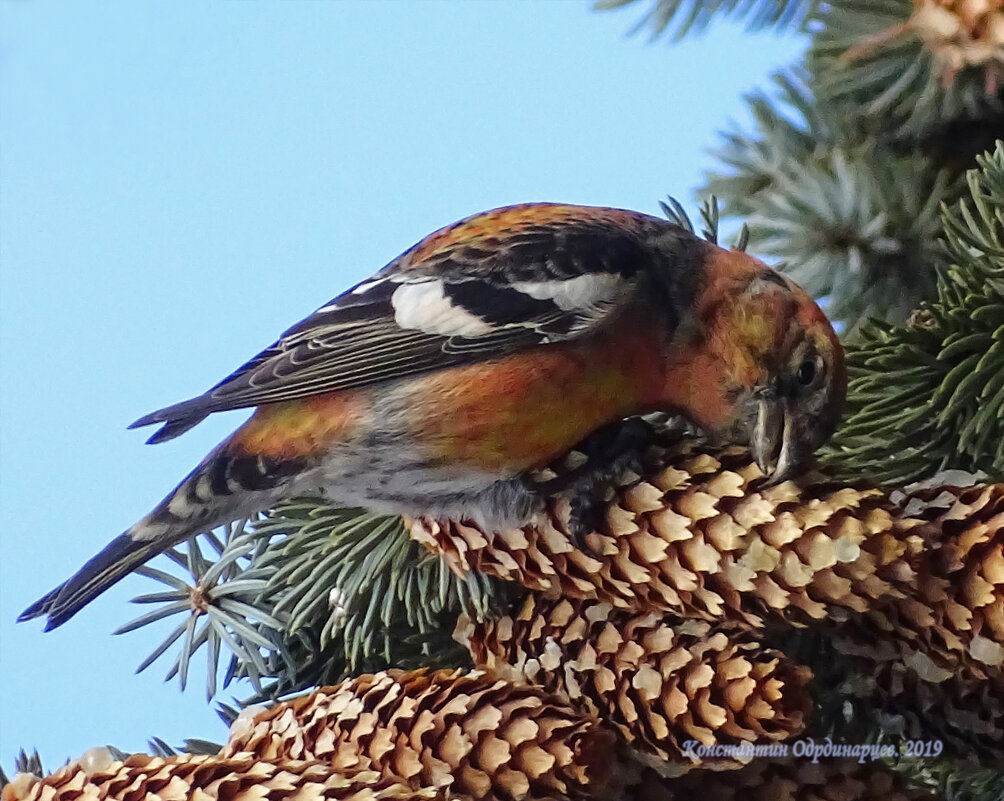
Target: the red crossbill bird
pixel 484 352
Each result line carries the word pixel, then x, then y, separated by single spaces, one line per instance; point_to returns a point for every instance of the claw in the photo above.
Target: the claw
pixel 584 519
pixel 601 459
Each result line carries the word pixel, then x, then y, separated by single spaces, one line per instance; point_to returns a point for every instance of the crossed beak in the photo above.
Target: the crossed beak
pixel 773 442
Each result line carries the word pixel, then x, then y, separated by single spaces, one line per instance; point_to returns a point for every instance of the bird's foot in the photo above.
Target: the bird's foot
pixel 592 467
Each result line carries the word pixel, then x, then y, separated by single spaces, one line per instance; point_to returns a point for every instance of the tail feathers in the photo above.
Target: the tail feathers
pixel 178 516
pixel 174 428
pixel 120 557
pixel 177 420
pixel 224 487
pixel 40 607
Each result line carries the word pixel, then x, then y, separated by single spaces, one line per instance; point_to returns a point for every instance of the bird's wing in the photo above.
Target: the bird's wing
pixel 486 286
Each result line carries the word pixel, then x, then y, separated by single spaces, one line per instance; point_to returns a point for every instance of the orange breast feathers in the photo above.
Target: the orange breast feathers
pixel 504 415
pixel 302 427
pixel 525 410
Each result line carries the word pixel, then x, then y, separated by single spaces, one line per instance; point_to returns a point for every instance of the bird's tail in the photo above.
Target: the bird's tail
pixel 224 487
pixel 116 560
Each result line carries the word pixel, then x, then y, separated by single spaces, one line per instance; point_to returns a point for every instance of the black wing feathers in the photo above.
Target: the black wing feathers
pixel 470 301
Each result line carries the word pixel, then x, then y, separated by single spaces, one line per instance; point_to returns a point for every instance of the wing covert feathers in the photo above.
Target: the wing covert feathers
pixel 492 284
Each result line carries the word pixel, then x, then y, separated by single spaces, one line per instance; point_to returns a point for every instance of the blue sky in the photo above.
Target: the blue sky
pixel 182 181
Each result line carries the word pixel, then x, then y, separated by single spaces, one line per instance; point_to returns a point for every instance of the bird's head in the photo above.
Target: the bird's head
pixel 771 370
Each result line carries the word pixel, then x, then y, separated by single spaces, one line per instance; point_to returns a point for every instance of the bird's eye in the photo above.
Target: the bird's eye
pixel 806 372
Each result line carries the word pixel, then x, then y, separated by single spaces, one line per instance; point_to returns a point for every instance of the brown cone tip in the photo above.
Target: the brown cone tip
pixel 470 734
pixel 202 778
pixel 662 685
pixel 961 33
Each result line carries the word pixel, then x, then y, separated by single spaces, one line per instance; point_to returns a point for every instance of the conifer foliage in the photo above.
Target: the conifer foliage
pixel 854 150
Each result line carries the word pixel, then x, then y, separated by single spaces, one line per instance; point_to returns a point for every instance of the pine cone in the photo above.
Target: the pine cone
pixel 471 734
pixel 962 33
pixel 209 777
pixel 697 537
pixel 660 684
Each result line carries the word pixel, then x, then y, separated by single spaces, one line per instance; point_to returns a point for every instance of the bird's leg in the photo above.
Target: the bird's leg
pixel 599 461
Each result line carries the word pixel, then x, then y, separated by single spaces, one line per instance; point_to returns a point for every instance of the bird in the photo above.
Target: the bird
pixel 482 353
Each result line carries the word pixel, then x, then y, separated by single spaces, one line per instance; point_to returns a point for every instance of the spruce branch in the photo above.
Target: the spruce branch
pixel 953 780
pixel 360 596
pixel 308 595
pixel 914 65
pixel 856 227
pixel 684 16
pixel 929 395
pixel 710 217
pixel 219 604
pixel 851 218
pixel 790 127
